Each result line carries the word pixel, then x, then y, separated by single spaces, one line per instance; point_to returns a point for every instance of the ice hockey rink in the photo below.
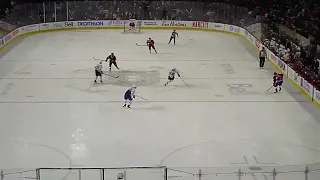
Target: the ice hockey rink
pixel 53 115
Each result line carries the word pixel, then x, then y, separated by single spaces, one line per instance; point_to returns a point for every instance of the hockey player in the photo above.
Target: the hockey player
pixel 150 44
pixel 132 26
pixel 277 82
pixel 112 59
pixel 129 96
pixel 171 75
pixel 98 71
pixel 174 34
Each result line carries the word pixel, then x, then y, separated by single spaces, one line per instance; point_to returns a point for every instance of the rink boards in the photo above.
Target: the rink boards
pixel 299 82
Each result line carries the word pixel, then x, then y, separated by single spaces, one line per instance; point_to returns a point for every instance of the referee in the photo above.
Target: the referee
pixel 262 56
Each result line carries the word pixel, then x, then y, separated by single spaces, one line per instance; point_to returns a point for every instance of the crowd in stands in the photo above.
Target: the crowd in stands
pixel 301 16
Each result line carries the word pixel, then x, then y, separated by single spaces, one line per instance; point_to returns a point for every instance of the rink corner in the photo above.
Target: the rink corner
pixel 300 89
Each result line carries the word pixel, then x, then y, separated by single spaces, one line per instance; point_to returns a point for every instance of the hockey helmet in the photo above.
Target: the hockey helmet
pixel 275 73
pixel 134 86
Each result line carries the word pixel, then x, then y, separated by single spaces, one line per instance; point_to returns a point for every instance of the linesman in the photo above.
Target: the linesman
pixel 173 36
pixel 262 56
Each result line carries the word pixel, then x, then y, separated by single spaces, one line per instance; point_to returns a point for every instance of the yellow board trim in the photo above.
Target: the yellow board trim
pixel 170 28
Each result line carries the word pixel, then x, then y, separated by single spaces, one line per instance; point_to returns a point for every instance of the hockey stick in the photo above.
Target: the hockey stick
pixel 142 98
pixel 97 59
pixel 110 75
pixel 184 81
pixel 141 44
pixel 269 88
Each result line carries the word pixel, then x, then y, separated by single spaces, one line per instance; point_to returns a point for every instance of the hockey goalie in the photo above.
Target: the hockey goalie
pixel 132 26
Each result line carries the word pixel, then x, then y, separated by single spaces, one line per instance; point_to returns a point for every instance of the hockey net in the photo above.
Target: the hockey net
pixel 121 173
pixel 132 26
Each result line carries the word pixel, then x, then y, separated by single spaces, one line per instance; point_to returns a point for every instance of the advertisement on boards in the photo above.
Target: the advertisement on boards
pixel 7 38
pixel 90 24
pixel 282 65
pixel 216 26
pixel 68 24
pixel 316 96
pixel 257 43
pixel 293 75
pixel 45 26
pixel 234 29
pixel 15 32
pixel 30 28
pixel 116 22
pixel 173 24
pixel 200 24
pixel 273 57
pixel 150 23
pixel 58 25
pixel 252 39
pixel 307 87
pixel 246 33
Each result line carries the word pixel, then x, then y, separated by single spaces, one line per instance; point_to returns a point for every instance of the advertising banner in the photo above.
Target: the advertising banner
pixel 150 23
pixel 15 33
pixel 246 33
pixel 174 23
pixel 273 57
pixel 58 25
pixel 200 24
pixel 307 87
pixel 316 96
pixel 258 44
pixel 217 26
pixel 45 26
pixel 294 76
pixel 30 28
pixel 252 39
pixel 282 65
pixel 7 38
pixel 90 23
pixel 68 24
pixel 234 29
pixel 116 22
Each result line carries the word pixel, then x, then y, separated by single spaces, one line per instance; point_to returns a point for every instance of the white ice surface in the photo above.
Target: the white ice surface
pixel 53 116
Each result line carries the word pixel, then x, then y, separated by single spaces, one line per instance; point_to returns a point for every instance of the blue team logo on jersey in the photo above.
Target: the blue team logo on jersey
pixel 231 28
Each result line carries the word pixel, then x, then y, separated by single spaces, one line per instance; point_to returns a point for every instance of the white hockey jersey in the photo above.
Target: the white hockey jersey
pixel 173 72
pixel 98 67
